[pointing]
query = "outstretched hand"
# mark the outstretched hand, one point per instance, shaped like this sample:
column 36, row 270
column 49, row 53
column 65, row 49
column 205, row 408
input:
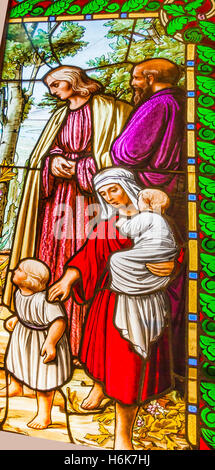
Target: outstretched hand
column 61, row 289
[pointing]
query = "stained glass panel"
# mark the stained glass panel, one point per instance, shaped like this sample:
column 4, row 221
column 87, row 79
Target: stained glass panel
column 100, row 96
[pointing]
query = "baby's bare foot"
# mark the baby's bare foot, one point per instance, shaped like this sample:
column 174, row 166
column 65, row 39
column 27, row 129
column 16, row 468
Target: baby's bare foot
column 14, row 390
column 39, row 422
column 94, row 399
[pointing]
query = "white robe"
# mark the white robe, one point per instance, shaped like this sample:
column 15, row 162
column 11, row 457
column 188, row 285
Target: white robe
column 23, row 359
column 142, row 305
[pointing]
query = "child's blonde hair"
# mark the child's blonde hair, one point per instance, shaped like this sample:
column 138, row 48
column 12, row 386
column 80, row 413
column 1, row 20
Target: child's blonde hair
column 155, row 199
column 38, row 274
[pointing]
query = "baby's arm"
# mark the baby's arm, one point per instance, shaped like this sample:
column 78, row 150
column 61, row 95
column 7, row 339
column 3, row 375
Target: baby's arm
column 11, row 323
column 135, row 226
column 56, row 331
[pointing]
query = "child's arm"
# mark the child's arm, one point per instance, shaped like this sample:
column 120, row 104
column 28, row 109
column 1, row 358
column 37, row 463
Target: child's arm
column 56, row 331
column 136, row 226
column 11, row 323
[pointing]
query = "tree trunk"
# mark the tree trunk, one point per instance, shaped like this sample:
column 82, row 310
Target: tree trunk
column 15, row 107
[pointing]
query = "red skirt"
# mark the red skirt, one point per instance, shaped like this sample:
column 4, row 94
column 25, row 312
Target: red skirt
column 110, row 359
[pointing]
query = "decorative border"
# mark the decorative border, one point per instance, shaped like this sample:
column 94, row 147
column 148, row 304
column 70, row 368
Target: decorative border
column 187, row 21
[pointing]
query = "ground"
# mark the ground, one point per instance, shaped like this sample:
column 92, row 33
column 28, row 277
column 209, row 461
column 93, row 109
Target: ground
column 159, row 425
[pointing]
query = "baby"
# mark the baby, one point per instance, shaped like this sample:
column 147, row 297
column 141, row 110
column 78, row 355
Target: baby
column 140, row 292
column 38, row 353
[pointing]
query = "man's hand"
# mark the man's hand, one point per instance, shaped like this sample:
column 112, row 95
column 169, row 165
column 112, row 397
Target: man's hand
column 60, row 289
column 161, row 269
column 11, row 323
column 50, row 350
column 63, row 168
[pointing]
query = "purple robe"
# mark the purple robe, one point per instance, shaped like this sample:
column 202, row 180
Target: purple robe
column 153, row 139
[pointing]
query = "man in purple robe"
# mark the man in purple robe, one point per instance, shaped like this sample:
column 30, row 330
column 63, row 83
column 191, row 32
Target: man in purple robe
column 152, row 145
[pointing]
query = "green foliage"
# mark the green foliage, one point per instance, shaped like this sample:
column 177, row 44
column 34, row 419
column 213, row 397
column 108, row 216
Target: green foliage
column 177, row 24
column 208, row 264
column 207, row 224
column 208, row 327
column 207, row 117
column 174, row 10
column 22, row 9
column 209, row 437
column 205, row 68
column 208, row 285
column 208, row 346
column 208, row 417
column 152, row 6
column 74, row 9
column 133, row 5
column 208, row 206
column 149, row 39
column 58, row 7
column 206, row 54
column 206, row 134
column 208, row 370
column 18, row 52
column 208, row 305
column 206, row 84
column 94, row 6
column 206, row 168
column 206, row 150
column 208, row 393
column 206, row 101
column 193, row 35
column 207, row 187
column 208, row 29
column 191, row 7
column 208, row 245
column 112, row 7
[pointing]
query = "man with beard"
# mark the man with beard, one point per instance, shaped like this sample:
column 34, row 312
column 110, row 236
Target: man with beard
column 151, row 144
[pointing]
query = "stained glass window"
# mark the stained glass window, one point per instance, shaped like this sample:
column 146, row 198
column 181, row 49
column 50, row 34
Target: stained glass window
column 142, row 103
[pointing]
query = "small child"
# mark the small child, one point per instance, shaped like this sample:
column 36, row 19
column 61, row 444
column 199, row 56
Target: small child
column 38, row 353
column 141, row 309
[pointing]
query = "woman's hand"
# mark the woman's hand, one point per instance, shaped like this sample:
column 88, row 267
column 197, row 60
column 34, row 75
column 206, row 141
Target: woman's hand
column 50, row 350
column 161, row 269
column 61, row 289
column 11, row 323
column 62, row 168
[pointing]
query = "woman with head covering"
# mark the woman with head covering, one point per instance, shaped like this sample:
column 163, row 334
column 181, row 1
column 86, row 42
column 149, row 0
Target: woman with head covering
column 119, row 371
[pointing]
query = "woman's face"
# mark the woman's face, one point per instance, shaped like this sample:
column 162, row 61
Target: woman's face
column 60, row 88
column 115, row 195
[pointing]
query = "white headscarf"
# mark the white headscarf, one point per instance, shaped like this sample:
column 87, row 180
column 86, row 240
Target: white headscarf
column 125, row 179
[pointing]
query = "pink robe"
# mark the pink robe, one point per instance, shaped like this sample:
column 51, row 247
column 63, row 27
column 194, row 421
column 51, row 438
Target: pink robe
column 63, row 218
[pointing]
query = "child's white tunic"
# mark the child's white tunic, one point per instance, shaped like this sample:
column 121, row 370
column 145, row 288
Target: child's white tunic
column 142, row 306
column 24, row 358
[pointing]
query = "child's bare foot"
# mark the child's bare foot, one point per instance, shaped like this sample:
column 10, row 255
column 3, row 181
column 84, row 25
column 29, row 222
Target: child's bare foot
column 94, row 399
column 14, row 390
column 39, row 422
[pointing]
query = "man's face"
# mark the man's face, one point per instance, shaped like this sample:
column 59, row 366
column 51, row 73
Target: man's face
column 141, row 85
column 60, row 88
